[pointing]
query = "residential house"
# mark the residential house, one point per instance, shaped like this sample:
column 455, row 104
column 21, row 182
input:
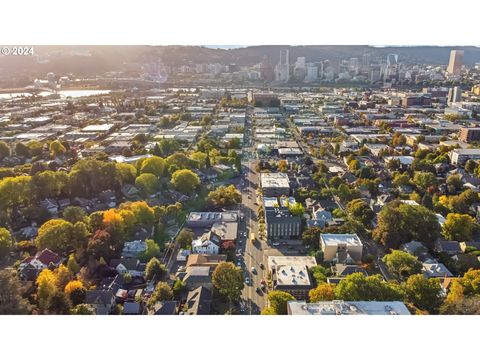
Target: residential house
column 102, row 300
column 132, row 249
column 208, row 243
column 30, row 267
column 131, row 266
column 195, row 276
column 206, row 260
column 320, row 217
column 198, row 301
column 434, row 269
column 162, row 308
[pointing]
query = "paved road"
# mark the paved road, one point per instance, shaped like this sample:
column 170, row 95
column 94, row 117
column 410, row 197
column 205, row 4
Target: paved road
column 253, row 252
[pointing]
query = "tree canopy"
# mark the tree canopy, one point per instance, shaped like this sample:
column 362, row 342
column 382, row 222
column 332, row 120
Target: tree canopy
column 400, row 223
column 358, row 287
column 185, row 181
column 228, row 280
column 401, row 264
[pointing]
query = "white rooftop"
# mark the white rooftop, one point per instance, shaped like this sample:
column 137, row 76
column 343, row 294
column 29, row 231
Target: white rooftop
column 338, row 307
column 336, row 239
column 308, row 261
column 269, row 180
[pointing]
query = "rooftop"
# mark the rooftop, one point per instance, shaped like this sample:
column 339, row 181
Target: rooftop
column 338, row 307
column 308, row 261
column 335, row 239
column 269, row 180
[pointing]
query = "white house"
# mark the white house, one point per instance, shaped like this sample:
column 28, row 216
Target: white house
column 208, row 243
column 133, row 248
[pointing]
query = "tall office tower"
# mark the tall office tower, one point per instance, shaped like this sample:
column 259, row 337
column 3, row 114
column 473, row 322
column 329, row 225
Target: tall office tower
column 353, row 66
column 392, row 59
column 312, row 72
column 454, row 95
column 366, row 61
column 267, row 71
column 456, row 62
column 300, row 69
column 282, row 72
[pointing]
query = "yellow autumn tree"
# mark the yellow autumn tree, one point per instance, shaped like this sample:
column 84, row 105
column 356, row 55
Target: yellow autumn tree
column 46, row 283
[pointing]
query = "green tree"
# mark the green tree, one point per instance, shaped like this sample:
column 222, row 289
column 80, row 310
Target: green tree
column 402, row 264
column 401, row 180
column 400, row 223
column 459, row 227
column 148, row 184
column 311, row 237
column 455, row 181
column 228, row 281
column 72, row 264
column 323, row 292
column 178, row 161
column 224, row 196
column 424, row 180
column 185, row 238
column 278, row 301
column 178, row 287
column 22, row 149
column 58, row 304
column 154, row 165
column 74, row 214
column 152, row 250
column 6, row 242
column 11, row 300
column 60, row 235
column 319, row 273
column 361, row 211
column 162, row 292
column 4, row 150
column 358, row 287
column 200, row 158
column 424, row 293
column 296, row 209
column 185, row 181
column 49, row 184
column 57, row 149
column 82, row 309
column 470, row 166
column 155, row 269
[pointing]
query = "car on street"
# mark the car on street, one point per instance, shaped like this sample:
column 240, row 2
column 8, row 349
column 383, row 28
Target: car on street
column 248, row 281
column 262, row 266
column 254, row 271
column 258, row 290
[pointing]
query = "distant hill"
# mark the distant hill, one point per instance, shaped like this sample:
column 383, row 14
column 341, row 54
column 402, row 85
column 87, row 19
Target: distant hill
column 111, row 58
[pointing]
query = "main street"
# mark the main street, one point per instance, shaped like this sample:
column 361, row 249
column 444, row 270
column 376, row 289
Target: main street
column 252, row 255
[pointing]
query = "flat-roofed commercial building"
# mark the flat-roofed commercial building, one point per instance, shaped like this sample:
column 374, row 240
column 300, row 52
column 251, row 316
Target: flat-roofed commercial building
column 339, row 307
column 460, row 156
column 291, row 274
column 204, row 219
column 469, row 134
column 274, row 184
column 279, row 222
